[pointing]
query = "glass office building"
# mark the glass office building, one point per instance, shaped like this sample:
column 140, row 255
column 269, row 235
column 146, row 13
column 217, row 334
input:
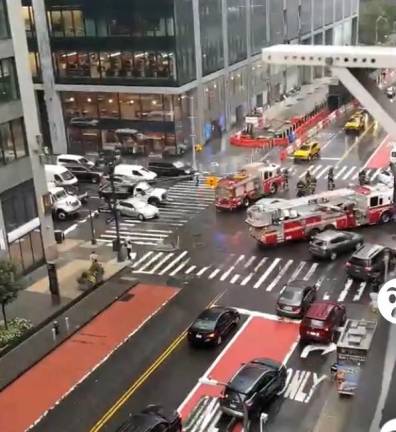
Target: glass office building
column 137, row 63
column 20, row 224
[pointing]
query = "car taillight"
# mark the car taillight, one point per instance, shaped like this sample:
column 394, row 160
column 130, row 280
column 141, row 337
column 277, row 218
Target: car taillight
column 368, row 268
column 348, row 264
column 211, row 335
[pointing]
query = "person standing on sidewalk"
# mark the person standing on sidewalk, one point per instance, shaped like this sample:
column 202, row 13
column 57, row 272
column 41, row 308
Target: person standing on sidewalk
column 94, row 257
column 196, row 178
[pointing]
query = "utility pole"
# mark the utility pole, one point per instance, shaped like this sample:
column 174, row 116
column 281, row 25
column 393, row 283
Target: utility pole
column 193, row 134
column 115, row 212
column 91, row 222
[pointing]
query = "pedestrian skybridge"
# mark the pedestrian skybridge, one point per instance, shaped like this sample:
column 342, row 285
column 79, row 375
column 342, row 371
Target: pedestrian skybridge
column 352, row 65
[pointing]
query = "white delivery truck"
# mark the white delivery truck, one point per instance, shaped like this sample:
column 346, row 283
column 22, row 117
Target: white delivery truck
column 64, row 205
column 60, row 176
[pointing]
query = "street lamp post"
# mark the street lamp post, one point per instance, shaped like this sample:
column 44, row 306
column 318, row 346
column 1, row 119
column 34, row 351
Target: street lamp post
column 377, row 21
column 91, row 222
column 193, row 134
column 115, row 212
column 246, row 423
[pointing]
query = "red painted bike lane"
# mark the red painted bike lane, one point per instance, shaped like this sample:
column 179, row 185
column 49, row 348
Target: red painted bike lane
column 28, row 398
column 381, row 156
column 258, row 337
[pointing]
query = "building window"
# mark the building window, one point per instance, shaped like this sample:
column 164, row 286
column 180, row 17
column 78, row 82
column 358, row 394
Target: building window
column 13, row 143
column 8, row 81
column 27, row 252
column 28, row 17
column 4, row 29
column 35, row 68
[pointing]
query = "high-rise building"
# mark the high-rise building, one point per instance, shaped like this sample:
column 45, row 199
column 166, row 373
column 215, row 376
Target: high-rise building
column 26, row 231
column 128, row 72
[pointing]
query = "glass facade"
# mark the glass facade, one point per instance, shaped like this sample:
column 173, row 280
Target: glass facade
column 329, row 12
column 276, row 22
column 210, row 16
column 27, row 252
column 94, row 118
column 338, row 10
column 292, row 19
column 258, row 21
column 4, row 29
column 8, row 81
column 236, row 21
column 13, row 143
column 318, row 13
column 306, row 16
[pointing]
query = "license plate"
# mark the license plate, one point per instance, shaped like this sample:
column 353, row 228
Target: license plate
column 313, row 333
column 287, row 308
column 198, row 336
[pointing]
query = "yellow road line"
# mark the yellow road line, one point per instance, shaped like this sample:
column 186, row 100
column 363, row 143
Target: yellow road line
column 146, row 374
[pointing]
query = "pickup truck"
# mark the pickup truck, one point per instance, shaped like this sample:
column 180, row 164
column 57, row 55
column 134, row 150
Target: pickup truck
column 141, row 190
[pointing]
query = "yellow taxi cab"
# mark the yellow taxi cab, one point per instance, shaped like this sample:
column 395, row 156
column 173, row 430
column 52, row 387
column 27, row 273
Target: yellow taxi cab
column 356, row 123
column 307, row 151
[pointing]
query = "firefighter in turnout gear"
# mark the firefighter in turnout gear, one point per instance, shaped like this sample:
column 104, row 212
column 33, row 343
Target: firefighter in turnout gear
column 308, row 178
column 363, row 177
column 301, row 188
column 330, row 179
column 312, row 185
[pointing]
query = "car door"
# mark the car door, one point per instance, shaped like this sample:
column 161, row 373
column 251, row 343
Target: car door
column 308, row 298
column 267, row 387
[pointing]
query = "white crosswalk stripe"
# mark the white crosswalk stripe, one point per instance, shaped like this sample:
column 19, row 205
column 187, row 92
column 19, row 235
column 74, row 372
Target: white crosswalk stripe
column 270, row 274
column 185, row 201
column 341, row 173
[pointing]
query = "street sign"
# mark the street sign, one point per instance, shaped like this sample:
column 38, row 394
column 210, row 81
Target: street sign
column 326, row 349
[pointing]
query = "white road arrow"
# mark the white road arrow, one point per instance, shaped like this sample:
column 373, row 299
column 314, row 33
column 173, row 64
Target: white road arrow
column 326, row 349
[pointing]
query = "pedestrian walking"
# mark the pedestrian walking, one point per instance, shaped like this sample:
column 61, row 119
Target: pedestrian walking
column 196, row 178
column 129, row 249
column 94, row 257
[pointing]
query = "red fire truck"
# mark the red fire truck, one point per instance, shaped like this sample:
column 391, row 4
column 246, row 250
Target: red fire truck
column 301, row 218
column 249, row 184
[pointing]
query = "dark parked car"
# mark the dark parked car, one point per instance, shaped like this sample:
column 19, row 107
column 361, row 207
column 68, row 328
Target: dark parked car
column 255, row 384
column 85, row 173
column 120, row 192
column 367, row 263
column 321, row 321
column 170, row 169
column 152, row 419
column 331, row 243
column 212, row 325
column 295, row 299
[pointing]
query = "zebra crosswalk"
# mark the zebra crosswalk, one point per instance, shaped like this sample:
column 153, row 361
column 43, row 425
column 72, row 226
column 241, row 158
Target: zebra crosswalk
column 341, row 173
column 257, row 273
column 185, row 201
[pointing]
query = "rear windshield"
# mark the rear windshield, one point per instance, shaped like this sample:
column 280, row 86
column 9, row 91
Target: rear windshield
column 67, row 175
column 292, row 295
column 359, row 261
column 316, row 323
column 205, row 324
column 246, row 379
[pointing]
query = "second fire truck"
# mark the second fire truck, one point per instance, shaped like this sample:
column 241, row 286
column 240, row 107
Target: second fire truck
column 251, row 183
column 302, row 218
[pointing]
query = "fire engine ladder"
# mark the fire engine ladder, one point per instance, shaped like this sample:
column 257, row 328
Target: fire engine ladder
column 207, row 417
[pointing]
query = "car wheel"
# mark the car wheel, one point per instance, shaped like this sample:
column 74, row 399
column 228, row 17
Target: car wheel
column 333, row 256
column 386, row 217
column 141, row 217
column 273, row 189
column 61, row 215
column 219, row 340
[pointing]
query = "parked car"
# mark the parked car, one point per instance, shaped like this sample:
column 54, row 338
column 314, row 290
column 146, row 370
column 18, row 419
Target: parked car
column 170, row 169
column 330, row 244
column 134, row 207
column 212, row 325
column 295, row 298
column 152, row 419
column 63, row 205
column 321, row 322
column 367, row 263
column 134, row 172
column 65, row 159
column 59, row 175
column 85, row 173
column 255, row 385
column 105, row 192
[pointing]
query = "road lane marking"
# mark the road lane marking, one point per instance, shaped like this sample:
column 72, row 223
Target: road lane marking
column 163, row 261
column 374, row 175
column 153, row 259
column 304, row 172
column 297, row 271
column 225, row 275
column 175, row 261
column 250, row 261
column 349, row 173
column 235, row 278
column 190, row 269
column 316, row 169
column 250, row 275
column 311, row 271
column 339, row 172
column 345, row 291
column 324, row 171
column 377, row 150
column 181, row 266
column 214, row 273
column 267, row 273
column 360, row 291
column 279, row 276
column 146, row 374
column 142, row 259
column 202, row 271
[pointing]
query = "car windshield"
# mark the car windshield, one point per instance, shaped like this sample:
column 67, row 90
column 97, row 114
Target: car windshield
column 60, row 195
column 204, row 324
column 144, row 170
column 318, row 242
column 67, row 175
column 246, row 379
column 291, row 295
column 178, row 164
column 84, row 161
column 305, row 147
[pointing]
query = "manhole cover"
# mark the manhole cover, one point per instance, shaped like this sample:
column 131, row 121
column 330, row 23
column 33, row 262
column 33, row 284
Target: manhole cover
column 126, row 297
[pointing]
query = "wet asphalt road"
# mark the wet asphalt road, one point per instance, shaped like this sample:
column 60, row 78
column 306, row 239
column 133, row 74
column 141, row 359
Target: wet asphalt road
column 217, row 241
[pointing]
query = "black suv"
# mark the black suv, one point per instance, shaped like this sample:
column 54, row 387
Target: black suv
column 330, row 244
column 170, row 169
column 367, row 263
column 84, row 173
column 152, row 419
column 255, row 384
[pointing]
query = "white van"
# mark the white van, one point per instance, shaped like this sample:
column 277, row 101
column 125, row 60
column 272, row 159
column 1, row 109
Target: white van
column 59, row 175
column 393, row 153
column 134, row 172
column 72, row 159
column 64, row 205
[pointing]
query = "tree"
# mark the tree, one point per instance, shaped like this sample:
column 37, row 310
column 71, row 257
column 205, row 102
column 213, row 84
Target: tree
column 10, row 284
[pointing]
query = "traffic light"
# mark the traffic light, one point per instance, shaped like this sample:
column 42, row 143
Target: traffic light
column 198, row 148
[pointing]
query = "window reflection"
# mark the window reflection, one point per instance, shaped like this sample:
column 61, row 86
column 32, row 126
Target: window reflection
column 12, row 141
column 8, row 84
column 130, row 106
column 4, row 31
column 27, row 252
column 108, row 105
